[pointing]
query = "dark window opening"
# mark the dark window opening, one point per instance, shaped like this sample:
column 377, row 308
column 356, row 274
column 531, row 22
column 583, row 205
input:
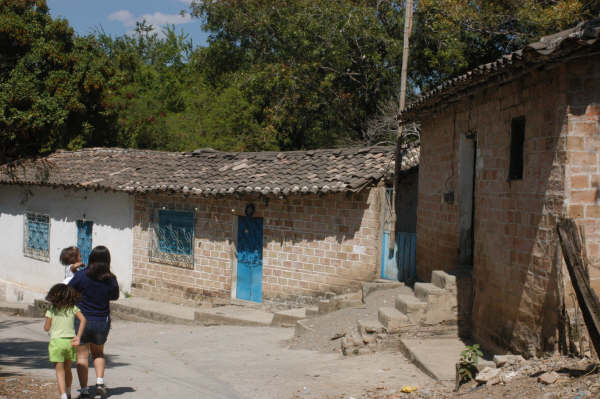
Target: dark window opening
column 517, row 141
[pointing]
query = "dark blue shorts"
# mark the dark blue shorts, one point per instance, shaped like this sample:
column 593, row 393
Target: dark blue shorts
column 96, row 331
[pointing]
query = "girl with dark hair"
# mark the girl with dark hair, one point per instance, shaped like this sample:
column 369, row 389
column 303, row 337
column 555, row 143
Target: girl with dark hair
column 59, row 323
column 98, row 286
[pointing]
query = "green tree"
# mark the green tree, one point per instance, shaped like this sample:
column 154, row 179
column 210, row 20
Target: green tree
column 453, row 36
column 164, row 101
column 53, row 84
column 315, row 69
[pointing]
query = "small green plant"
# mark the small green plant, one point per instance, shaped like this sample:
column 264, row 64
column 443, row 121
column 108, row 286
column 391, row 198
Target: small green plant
column 466, row 368
column 127, row 294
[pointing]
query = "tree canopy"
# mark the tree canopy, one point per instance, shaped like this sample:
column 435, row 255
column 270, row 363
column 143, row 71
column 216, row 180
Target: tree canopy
column 53, row 84
column 274, row 75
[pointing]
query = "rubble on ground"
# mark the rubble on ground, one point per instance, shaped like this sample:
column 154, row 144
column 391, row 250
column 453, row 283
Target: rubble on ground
column 15, row 386
column 548, row 378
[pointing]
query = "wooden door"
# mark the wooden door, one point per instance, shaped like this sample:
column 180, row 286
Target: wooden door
column 249, row 259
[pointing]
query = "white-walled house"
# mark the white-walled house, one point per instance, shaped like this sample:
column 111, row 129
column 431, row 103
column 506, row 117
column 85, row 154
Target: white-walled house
column 181, row 227
column 27, row 272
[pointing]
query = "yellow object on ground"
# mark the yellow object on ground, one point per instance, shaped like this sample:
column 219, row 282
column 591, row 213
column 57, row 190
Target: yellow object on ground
column 408, row 389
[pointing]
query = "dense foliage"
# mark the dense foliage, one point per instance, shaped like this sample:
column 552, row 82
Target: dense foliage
column 53, row 84
column 275, row 74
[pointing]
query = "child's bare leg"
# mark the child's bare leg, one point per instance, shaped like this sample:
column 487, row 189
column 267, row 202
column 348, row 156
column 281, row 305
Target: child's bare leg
column 68, row 376
column 83, row 356
column 60, row 377
column 99, row 361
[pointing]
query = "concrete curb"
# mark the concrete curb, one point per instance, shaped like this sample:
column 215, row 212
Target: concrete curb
column 248, row 317
column 413, row 358
column 288, row 318
column 131, row 313
column 302, row 328
column 16, row 309
column 436, row 357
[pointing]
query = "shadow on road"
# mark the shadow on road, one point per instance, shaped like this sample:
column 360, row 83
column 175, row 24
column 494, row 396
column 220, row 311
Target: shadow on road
column 17, row 323
column 29, row 354
column 4, row 374
column 119, row 391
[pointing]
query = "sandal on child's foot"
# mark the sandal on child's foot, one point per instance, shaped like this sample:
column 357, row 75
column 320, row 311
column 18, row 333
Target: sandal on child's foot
column 100, row 390
column 85, row 394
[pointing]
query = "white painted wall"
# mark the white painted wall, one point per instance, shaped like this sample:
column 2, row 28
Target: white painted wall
column 25, row 278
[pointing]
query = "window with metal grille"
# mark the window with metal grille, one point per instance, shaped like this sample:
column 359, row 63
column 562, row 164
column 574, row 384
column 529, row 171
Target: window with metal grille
column 36, row 233
column 173, row 238
column 517, row 147
column 175, row 232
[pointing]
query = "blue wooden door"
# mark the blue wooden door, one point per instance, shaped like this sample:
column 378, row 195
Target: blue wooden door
column 397, row 258
column 249, row 260
column 389, row 265
column 84, row 239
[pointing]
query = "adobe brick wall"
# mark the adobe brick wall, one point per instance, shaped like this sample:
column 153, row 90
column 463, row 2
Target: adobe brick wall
column 312, row 244
column 582, row 147
column 514, row 300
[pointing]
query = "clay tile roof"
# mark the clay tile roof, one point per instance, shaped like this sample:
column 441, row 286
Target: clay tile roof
column 579, row 40
column 210, row 172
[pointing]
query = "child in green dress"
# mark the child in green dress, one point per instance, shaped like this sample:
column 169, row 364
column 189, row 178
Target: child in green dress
column 60, row 320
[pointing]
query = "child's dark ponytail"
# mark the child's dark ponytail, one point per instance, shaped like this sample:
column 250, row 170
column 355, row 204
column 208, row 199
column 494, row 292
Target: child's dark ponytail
column 99, row 264
column 62, row 295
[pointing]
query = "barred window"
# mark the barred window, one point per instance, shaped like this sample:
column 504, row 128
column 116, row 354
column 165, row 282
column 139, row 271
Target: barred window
column 36, row 235
column 173, row 238
column 517, row 146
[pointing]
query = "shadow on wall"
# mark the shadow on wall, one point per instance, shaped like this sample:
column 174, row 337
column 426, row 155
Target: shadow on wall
column 338, row 229
column 302, row 218
column 65, row 205
column 514, row 279
column 511, row 297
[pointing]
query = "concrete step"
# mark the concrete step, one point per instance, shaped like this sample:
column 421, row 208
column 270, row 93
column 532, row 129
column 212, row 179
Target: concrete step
column 443, row 280
column 370, row 326
column 289, row 317
column 392, row 319
column 411, row 306
column 372, row 286
column 424, row 290
column 14, row 308
column 141, row 309
column 312, row 311
column 234, row 316
column 436, row 357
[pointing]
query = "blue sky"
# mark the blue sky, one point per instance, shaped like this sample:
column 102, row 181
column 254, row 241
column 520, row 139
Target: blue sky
column 118, row 17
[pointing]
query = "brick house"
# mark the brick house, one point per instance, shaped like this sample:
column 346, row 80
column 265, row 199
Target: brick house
column 269, row 226
column 506, row 150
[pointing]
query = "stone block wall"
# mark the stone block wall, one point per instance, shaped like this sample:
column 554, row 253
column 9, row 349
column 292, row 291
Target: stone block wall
column 312, row 244
column 514, row 303
column 583, row 156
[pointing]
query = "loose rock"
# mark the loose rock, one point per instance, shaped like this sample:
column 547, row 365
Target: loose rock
column 488, row 375
column 505, row 360
column 548, row 378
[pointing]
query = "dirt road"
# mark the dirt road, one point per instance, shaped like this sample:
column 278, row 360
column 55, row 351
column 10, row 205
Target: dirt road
column 147, row 360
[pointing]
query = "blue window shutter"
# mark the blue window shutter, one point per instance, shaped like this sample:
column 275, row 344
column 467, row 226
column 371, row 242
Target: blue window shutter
column 176, row 232
column 37, row 232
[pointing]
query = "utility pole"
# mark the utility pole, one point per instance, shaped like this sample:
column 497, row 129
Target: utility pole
column 408, row 16
column 408, row 19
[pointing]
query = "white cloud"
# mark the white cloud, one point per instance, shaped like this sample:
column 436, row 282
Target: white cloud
column 157, row 19
column 160, row 19
column 123, row 16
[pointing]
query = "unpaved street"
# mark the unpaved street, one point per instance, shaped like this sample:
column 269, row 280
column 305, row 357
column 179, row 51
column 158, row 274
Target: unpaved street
column 149, row 360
